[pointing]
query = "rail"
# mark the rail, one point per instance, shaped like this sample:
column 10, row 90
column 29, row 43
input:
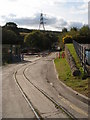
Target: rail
column 36, row 111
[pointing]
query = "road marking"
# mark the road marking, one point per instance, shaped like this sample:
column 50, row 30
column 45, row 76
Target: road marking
column 73, row 106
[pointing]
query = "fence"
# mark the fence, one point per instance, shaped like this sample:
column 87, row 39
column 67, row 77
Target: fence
column 81, row 52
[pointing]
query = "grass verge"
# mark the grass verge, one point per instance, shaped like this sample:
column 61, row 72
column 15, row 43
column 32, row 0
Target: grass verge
column 64, row 74
column 77, row 61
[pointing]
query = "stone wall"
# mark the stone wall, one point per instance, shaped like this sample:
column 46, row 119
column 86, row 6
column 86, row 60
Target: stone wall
column 75, row 71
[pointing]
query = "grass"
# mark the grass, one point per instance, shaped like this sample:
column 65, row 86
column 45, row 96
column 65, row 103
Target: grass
column 64, row 74
column 77, row 61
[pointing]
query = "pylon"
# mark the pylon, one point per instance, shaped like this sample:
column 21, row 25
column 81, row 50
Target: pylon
column 41, row 21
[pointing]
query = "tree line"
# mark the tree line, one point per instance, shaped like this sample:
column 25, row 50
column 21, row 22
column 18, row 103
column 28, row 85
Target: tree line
column 43, row 39
column 81, row 35
column 33, row 38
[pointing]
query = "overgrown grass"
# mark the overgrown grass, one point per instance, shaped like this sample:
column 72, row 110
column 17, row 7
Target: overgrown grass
column 65, row 75
column 77, row 61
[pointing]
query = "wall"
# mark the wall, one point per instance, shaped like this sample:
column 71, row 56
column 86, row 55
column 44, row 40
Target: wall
column 75, row 71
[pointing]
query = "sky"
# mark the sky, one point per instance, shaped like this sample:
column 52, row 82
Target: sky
column 57, row 13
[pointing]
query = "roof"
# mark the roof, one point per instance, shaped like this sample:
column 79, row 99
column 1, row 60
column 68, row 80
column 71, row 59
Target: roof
column 11, row 24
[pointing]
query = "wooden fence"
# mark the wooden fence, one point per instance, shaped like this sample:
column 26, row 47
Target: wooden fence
column 81, row 52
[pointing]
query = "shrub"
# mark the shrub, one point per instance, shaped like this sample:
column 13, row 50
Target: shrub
column 67, row 39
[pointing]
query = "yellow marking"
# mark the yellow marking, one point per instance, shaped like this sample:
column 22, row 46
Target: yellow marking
column 73, row 106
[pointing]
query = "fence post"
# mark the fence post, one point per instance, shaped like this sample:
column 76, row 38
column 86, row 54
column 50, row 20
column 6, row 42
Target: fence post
column 81, row 52
column 82, row 56
column 84, row 59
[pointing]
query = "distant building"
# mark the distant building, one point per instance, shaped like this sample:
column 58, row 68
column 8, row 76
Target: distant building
column 11, row 24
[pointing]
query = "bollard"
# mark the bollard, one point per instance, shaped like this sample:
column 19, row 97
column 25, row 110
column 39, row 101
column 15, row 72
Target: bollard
column 63, row 55
column 59, row 55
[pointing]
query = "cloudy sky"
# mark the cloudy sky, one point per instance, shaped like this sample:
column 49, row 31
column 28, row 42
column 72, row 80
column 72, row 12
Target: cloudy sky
column 57, row 13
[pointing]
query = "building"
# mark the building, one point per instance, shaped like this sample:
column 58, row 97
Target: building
column 11, row 24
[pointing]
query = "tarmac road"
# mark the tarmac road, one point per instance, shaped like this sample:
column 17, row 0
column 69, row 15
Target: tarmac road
column 42, row 74
column 13, row 103
column 41, row 103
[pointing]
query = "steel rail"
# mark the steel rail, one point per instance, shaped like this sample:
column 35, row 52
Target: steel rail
column 37, row 114
column 35, row 111
column 49, row 97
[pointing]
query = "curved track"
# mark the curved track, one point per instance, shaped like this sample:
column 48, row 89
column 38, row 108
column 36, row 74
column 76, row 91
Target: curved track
column 59, row 111
column 43, row 94
column 25, row 96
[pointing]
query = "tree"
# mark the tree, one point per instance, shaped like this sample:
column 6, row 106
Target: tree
column 40, row 40
column 67, row 39
column 37, row 39
column 80, row 35
column 11, row 28
column 64, row 30
column 73, row 29
column 8, row 37
column 84, row 35
column 32, row 39
column 85, row 31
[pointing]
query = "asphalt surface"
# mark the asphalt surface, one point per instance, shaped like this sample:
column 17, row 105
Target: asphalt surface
column 44, row 106
column 42, row 74
column 13, row 103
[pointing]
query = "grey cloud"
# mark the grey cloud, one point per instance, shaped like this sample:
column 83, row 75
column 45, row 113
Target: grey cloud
column 30, row 21
column 69, row 25
column 3, row 17
column 75, row 24
column 12, row 15
column 35, row 20
column 62, row 22
column 51, row 20
column 27, row 21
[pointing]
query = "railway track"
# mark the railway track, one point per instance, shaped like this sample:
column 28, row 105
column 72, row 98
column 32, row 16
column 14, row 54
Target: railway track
column 34, row 109
column 37, row 115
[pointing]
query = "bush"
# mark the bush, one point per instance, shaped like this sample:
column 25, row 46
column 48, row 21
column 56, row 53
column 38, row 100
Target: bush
column 82, row 39
column 37, row 40
column 67, row 39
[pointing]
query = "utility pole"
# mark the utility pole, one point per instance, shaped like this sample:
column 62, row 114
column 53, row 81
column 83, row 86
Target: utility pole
column 41, row 22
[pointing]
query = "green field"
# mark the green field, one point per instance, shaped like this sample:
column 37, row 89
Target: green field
column 65, row 75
